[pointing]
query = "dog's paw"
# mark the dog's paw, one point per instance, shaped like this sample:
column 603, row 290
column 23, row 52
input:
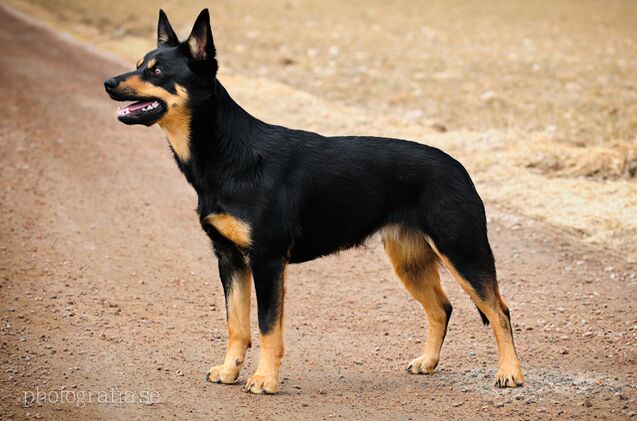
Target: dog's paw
column 261, row 384
column 222, row 374
column 422, row 365
column 509, row 376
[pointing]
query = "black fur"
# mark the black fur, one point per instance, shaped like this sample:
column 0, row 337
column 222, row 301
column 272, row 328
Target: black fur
column 305, row 195
column 485, row 320
column 448, row 310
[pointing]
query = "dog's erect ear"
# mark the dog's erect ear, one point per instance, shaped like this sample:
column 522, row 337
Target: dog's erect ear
column 200, row 44
column 166, row 37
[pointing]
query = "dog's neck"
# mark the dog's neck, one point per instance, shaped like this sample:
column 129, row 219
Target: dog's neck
column 222, row 141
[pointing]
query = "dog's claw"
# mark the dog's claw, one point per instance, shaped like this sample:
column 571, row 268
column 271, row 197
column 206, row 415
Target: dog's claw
column 220, row 374
column 422, row 365
column 511, row 377
column 261, row 385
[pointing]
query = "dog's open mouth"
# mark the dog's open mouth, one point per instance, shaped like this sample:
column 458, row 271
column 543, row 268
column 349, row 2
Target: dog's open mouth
column 137, row 107
column 145, row 111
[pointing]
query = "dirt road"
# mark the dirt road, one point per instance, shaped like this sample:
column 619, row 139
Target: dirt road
column 108, row 286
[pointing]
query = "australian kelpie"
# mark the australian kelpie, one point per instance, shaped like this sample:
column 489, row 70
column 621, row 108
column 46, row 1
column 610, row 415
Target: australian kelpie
column 270, row 196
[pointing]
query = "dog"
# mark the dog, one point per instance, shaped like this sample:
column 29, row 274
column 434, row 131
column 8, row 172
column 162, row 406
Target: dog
column 269, row 196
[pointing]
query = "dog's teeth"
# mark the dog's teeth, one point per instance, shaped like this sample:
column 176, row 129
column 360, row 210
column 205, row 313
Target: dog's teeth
column 155, row 104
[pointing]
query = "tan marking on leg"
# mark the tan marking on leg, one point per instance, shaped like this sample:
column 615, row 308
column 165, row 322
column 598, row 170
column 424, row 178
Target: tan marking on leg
column 415, row 263
column 509, row 369
column 271, row 351
column 238, row 315
column 231, row 228
column 176, row 120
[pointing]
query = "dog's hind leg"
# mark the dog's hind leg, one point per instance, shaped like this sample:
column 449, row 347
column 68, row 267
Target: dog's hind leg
column 235, row 276
column 415, row 264
column 471, row 264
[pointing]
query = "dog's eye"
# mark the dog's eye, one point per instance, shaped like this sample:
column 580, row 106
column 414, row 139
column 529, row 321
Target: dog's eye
column 156, row 70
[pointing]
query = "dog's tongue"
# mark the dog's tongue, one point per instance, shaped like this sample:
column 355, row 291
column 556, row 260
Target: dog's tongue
column 133, row 107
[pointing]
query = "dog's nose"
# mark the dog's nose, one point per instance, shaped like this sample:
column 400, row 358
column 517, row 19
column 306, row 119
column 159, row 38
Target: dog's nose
column 110, row 84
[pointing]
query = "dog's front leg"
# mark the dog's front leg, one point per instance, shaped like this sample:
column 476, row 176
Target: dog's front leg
column 235, row 276
column 269, row 276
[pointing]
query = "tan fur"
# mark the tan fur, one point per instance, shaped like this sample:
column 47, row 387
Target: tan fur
column 509, row 369
column 151, row 63
column 271, row 351
column 163, row 38
column 139, row 63
column 238, row 313
column 176, row 121
column 195, row 48
column 232, row 228
column 415, row 264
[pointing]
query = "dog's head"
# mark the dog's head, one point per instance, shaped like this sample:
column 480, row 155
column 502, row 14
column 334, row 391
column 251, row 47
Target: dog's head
column 169, row 80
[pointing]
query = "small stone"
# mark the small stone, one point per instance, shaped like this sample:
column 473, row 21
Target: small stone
column 498, row 404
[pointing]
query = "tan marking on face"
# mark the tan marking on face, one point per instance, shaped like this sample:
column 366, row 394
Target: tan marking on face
column 176, row 120
column 151, row 64
column 232, row 228
column 139, row 63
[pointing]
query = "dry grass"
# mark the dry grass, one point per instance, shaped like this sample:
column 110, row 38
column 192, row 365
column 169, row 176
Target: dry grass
column 539, row 99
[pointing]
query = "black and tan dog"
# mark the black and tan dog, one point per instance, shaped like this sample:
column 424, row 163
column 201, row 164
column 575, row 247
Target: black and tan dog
column 270, row 196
